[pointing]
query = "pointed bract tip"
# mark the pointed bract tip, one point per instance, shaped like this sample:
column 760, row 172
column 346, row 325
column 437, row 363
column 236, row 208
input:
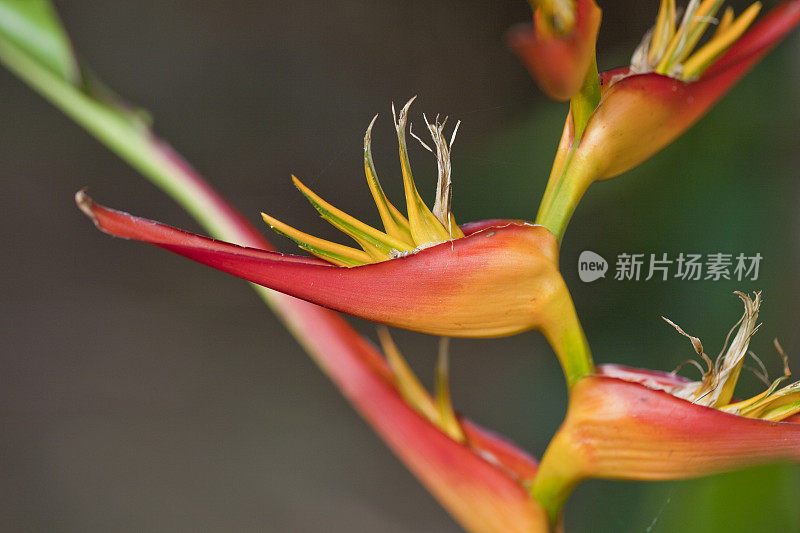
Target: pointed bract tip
column 85, row 204
column 368, row 134
column 401, row 121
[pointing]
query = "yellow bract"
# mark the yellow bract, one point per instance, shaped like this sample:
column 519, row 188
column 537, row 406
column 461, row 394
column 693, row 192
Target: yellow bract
column 376, row 243
column 663, row 32
column 402, row 235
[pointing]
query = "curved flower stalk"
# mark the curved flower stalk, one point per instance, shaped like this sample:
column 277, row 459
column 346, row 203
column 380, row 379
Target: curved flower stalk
column 559, row 47
column 625, row 423
column 668, row 87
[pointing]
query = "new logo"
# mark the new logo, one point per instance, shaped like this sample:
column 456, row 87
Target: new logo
column 591, row 266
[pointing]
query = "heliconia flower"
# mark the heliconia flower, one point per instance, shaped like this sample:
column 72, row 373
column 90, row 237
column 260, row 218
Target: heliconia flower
column 560, row 45
column 625, row 423
column 670, row 85
column 484, row 279
column 666, row 89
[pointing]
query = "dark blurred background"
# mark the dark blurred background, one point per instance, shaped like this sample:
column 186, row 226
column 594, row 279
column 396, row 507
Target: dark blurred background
column 143, row 392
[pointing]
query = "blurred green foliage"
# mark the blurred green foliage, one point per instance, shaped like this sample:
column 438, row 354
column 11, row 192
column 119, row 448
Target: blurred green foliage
column 33, row 26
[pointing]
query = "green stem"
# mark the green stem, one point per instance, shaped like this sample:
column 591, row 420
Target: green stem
column 564, row 191
column 563, row 466
column 586, row 100
column 556, row 477
column 570, row 176
column 133, row 141
column 564, row 333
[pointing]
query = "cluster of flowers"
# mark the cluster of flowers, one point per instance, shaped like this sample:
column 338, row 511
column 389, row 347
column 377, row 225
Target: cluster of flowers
column 499, row 277
column 492, row 278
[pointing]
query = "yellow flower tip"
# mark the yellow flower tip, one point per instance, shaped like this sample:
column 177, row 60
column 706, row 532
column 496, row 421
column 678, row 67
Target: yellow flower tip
column 670, row 50
column 695, row 65
column 407, row 383
column 716, row 389
column 439, row 411
column 662, row 32
column 448, row 421
column 559, row 15
column 725, row 21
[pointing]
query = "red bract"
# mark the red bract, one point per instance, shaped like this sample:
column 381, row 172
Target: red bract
column 667, row 437
column 495, row 281
column 618, row 427
column 558, row 60
column 639, row 114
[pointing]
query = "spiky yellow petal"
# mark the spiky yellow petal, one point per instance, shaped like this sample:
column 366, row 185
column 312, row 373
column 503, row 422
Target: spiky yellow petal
column 425, row 227
column 695, row 20
column 774, row 405
column 447, row 416
column 703, row 58
column 725, row 21
column 377, row 244
column 394, row 222
column 781, row 412
column 747, row 406
column 337, row 254
column 663, row 32
column 665, row 62
column 408, row 384
column 702, row 19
